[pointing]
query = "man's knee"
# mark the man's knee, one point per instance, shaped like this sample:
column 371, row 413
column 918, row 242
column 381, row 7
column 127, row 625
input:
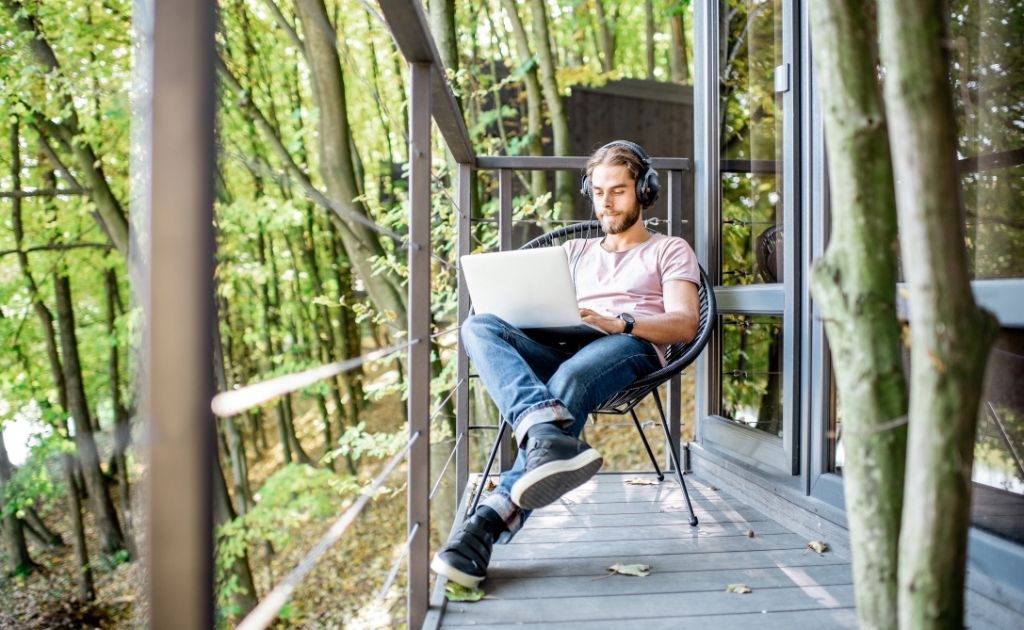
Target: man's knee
column 482, row 326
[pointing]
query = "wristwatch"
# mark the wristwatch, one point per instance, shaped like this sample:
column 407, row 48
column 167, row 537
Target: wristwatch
column 629, row 320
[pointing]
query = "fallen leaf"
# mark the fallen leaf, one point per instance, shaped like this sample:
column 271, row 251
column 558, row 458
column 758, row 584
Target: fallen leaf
column 458, row 593
column 818, row 545
column 738, row 588
column 637, row 570
column 749, row 533
column 640, row 481
column 491, row 485
column 714, row 488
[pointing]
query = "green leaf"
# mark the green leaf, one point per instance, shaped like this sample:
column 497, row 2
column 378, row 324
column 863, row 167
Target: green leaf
column 742, row 589
column 459, row 593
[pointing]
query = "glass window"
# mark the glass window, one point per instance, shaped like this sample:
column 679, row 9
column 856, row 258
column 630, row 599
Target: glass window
column 751, row 142
column 998, row 475
column 751, row 369
column 988, row 86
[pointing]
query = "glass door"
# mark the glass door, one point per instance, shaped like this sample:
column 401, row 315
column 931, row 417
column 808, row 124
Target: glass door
column 750, row 190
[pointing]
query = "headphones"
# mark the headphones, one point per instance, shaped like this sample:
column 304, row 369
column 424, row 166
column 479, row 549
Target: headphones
column 647, row 183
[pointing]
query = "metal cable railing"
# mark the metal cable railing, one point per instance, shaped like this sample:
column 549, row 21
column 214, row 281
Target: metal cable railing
column 244, row 398
column 267, row 610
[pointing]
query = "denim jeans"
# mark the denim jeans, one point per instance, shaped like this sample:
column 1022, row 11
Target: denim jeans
column 531, row 383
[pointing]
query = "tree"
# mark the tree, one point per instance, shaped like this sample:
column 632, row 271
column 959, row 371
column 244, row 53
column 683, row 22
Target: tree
column 950, row 336
column 914, row 579
column 853, row 284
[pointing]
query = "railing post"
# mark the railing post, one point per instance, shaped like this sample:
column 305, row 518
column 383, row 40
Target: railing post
column 506, row 456
column 675, row 228
column 177, row 296
column 418, row 368
column 465, row 239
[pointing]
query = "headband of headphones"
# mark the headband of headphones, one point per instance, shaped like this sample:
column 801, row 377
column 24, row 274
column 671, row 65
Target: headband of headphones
column 647, row 183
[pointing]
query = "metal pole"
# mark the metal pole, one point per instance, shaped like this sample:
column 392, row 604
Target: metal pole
column 675, row 228
column 465, row 239
column 507, row 454
column 418, row 368
column 180, row 315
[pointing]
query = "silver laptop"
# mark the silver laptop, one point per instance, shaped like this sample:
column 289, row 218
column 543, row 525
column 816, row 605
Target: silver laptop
column 530, row 289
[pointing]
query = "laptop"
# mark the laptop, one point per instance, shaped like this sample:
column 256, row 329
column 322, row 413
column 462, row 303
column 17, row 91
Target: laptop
column 530, row 289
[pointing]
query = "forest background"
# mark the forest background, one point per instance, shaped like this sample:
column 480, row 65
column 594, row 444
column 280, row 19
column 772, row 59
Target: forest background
column 310, row 210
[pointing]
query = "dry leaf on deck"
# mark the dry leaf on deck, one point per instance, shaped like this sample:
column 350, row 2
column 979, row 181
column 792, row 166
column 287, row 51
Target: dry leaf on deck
column 749, row 533
column 818, row 545
column 640, row 481
column 458, row 593
column 637, row 570
column 737, row 588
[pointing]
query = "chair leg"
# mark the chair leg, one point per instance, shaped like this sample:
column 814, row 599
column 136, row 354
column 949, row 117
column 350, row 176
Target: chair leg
column 675, row 461
column 650, row 453
column 502, row 426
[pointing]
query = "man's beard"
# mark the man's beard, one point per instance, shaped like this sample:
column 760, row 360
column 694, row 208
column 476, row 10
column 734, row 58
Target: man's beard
column 621, row 223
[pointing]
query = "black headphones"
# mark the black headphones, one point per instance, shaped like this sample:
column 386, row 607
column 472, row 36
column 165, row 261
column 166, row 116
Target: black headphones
column 647, row 183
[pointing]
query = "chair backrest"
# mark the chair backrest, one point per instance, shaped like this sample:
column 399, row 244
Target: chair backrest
column 677, row 357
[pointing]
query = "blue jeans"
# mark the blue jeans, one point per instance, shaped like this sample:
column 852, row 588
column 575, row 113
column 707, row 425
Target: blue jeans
column 531, row 383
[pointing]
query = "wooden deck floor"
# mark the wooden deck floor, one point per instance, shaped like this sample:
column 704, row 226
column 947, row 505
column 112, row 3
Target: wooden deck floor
column 554, row 574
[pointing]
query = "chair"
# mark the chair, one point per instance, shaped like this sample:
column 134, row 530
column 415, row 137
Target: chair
column 677, row 357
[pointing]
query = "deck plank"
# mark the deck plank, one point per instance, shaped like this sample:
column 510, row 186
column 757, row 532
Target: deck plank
column 553, row 574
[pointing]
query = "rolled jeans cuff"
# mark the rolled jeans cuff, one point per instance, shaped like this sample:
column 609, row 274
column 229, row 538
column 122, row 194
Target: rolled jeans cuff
column 509, row 512
column 547, row 411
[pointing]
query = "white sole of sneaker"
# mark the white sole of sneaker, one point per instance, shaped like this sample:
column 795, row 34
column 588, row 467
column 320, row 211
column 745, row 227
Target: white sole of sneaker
column 440, row 567
column 545, row 484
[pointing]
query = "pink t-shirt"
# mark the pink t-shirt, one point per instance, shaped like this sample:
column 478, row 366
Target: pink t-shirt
column 631, row 281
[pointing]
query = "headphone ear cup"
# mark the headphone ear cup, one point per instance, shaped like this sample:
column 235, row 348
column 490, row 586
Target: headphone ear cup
column 652, row 186
column 585, row 187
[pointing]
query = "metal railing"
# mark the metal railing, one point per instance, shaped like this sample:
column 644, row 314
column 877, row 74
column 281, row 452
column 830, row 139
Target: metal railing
column 180, row 309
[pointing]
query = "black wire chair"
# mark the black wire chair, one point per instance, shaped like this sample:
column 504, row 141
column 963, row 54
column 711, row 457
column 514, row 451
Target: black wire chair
column 677, row 358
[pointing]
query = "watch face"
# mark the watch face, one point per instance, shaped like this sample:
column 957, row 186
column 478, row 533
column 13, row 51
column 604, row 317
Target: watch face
column 626, row 317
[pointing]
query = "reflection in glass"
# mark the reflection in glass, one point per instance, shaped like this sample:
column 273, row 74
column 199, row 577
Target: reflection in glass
column 751, row 142
column 752, row 371
column 988, row 87
column 998, row 475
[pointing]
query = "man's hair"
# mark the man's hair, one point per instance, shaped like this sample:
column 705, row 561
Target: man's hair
column 616, row 155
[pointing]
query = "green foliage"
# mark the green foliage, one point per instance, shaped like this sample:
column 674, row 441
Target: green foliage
column 37, row 481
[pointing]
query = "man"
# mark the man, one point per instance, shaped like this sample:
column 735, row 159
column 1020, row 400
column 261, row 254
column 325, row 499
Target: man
column 639, row 287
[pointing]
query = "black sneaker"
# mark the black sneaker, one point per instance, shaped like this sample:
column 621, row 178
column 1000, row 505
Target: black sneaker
column 465, row 558
column 555, row 464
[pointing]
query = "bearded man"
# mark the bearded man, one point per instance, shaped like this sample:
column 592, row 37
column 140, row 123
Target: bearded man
column 641, row 289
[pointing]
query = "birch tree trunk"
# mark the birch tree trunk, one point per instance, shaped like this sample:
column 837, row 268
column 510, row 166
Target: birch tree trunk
column 854, row 285
column 950, row 335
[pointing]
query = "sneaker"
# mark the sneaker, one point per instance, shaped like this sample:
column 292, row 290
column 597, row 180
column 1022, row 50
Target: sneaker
column 555, row 464
column 465, row 558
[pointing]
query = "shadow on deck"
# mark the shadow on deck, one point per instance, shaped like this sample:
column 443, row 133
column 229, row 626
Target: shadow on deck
column 555, row 572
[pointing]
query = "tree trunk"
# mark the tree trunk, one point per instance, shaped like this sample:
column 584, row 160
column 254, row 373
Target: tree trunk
column 337, row 169
column 112, row 217
column 122, row 430
column 678, row 58
column 534, row 98
column 442, row 25
column 14, row 533
column 244, row 599
column 111, row 537
column 854, row 285
column 606, row 36
column 649, row 21
column 553, row 98
column 46, row 536
column 950, row 335
column 86, row 587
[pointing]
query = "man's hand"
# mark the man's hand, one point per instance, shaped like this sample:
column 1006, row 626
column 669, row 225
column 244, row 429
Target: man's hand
column 610, row 325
